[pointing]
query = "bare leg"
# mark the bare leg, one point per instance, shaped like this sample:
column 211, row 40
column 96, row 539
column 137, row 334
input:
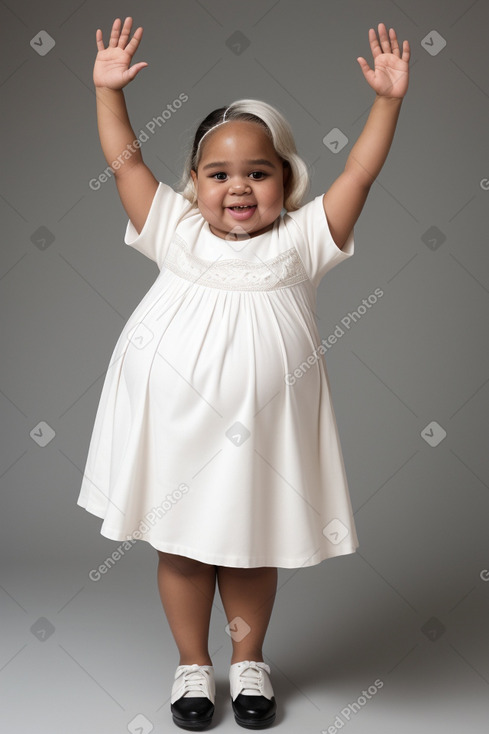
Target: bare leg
column 187, row 589
column 248, row 593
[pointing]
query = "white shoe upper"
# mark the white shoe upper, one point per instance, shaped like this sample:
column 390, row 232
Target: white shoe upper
column 194, row 681
column 250, row 678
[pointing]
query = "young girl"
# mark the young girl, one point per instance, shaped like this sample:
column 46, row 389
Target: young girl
column 215, row 439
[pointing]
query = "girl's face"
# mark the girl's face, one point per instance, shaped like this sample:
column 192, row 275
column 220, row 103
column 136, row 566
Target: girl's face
column 239, row 166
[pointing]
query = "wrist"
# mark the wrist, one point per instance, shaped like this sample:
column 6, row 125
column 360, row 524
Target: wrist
column 388, row 100
column 106, row 90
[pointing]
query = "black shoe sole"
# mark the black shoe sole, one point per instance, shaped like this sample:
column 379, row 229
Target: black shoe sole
column 253, row 723
column 196, row 722
column 192, row 725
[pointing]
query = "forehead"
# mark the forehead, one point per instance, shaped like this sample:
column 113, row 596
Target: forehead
column 238, row 137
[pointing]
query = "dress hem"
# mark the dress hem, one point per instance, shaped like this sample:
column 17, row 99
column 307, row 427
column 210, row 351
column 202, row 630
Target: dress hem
column 215, row 560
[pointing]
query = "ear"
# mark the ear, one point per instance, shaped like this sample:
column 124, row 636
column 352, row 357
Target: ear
column 194, row 177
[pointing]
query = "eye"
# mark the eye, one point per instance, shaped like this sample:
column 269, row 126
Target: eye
column 261, row 175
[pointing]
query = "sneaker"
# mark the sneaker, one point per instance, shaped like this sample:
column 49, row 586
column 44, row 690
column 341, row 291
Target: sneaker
column 193, row 696
column 252, row 695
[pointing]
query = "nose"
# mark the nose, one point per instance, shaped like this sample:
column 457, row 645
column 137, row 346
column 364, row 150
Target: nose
column 238, row 186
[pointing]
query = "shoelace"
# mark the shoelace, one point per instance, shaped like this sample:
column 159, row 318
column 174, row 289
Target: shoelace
column 194, row 682
column 251, row 678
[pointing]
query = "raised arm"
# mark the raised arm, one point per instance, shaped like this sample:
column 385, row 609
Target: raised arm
column 112, row 71
column 344, row 200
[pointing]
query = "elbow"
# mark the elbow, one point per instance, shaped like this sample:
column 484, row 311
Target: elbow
column 360, row 177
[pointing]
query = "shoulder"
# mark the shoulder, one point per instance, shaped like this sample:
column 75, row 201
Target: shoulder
column 308, row 216
column 311, row 209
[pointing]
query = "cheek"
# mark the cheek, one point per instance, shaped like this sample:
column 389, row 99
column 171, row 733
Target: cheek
column 276, row 191
column 209, row 199
column 209, row 191
column 205, row 192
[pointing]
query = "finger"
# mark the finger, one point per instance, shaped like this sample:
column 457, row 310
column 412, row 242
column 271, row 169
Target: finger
column 136, row 68
column 125, row 33
column 406, row 51
column 99, row 40
column 367, row 71
column 394, row 42
column 114, row 33
column 134, row 42
column 374, row 44
column 384, row 39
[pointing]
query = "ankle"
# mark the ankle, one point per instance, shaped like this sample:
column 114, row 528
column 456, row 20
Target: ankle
column 195, row 659
column 255, row 656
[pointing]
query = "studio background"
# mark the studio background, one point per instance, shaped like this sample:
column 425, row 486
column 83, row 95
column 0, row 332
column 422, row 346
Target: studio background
column 409, row 376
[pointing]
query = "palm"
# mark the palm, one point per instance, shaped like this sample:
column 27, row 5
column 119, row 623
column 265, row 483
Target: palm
column 390, row 76
column 110, row 69
column 112, row 65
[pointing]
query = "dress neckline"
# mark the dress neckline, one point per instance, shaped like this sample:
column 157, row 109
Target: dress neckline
column 207, row 229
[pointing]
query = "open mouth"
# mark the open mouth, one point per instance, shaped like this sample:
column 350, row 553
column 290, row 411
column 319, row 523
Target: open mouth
column 242, row 212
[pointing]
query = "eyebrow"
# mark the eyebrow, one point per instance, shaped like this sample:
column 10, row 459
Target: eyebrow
column 256, row 162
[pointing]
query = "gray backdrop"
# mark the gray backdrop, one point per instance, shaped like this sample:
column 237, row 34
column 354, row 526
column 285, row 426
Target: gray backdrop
column 405, row 618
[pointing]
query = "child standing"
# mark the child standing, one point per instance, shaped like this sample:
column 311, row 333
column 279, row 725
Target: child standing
column 215, row 439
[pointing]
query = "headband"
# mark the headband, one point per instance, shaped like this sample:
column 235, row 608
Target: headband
column 210, row 130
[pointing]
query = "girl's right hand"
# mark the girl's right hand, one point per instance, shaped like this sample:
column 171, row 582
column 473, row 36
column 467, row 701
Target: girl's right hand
column 112, row 66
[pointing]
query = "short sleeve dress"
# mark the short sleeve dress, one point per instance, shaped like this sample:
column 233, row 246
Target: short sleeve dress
column 215, row 436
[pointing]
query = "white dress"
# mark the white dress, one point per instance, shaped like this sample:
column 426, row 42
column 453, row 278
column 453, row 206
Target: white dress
column 215, row 436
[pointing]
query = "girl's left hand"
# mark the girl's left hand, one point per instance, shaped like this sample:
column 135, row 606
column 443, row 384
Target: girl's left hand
column 391, row 75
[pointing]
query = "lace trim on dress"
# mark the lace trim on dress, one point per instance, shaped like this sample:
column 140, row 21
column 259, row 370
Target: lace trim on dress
column 282, row 271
